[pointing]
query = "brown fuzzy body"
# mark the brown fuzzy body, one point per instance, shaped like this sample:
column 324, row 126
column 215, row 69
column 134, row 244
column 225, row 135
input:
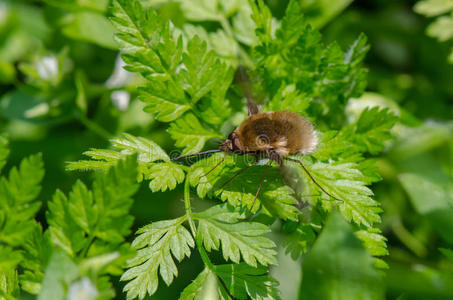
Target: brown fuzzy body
column 279, row 132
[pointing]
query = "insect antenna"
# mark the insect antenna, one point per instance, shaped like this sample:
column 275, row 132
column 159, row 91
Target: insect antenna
column 235, row 175
column 261, row 182
column 195, row 154
column 311, row 177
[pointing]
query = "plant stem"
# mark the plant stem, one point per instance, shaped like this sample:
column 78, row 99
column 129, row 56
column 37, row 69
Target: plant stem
column 188, row 207
column 85, row 249
column 203, row 254
column 94, row 127
column 407, row 239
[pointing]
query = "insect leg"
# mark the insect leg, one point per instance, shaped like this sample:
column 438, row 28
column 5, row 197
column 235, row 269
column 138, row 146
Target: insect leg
column 218, row 164
column 269, row 164
column 311, row 177
column 274, row 155
column 235, row 175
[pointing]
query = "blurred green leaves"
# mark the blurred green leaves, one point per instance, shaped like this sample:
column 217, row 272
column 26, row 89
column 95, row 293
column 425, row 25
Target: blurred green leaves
column 318, row 13
column 23, row 29
column 4, row 151
column 84, row 21
column 442, row 26
column 90, row 27
column 345, row 273
column 432, row 8
column 432, row 200
column 60, row 272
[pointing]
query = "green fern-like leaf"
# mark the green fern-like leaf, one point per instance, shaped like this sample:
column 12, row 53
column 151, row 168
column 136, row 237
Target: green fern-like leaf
column 17, row 200
column 147, row 150
column 244, row 281
column 9, row 284
column 325, row 74
column 152, row 51
column 178, row 79
column 100, row 215
column 344, row 181
column 38, row 249
column 376, row 245
column 9, row 259
column 190, row 134
column 299, row 239
column 153, row 163
column 220, row 225
column 156, row 245
column 372, row 129
column 193, row 290
column 288, row 98
column 219, row 11
column 202, row 70
column 64, row 231
column 18, row 206
column 334, row 145
column 164, row 176
column 276, row 198
column 368, row 134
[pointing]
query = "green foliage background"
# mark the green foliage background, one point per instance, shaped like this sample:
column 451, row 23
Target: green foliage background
column 67, row 106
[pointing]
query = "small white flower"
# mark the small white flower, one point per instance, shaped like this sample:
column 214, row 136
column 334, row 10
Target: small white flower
column 120, row 99
column 119, row 77
column 37, row 111
column 83, row 289
column 47, row 67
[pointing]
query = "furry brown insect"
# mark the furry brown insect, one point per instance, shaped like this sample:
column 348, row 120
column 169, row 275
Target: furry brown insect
column 274, row 135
